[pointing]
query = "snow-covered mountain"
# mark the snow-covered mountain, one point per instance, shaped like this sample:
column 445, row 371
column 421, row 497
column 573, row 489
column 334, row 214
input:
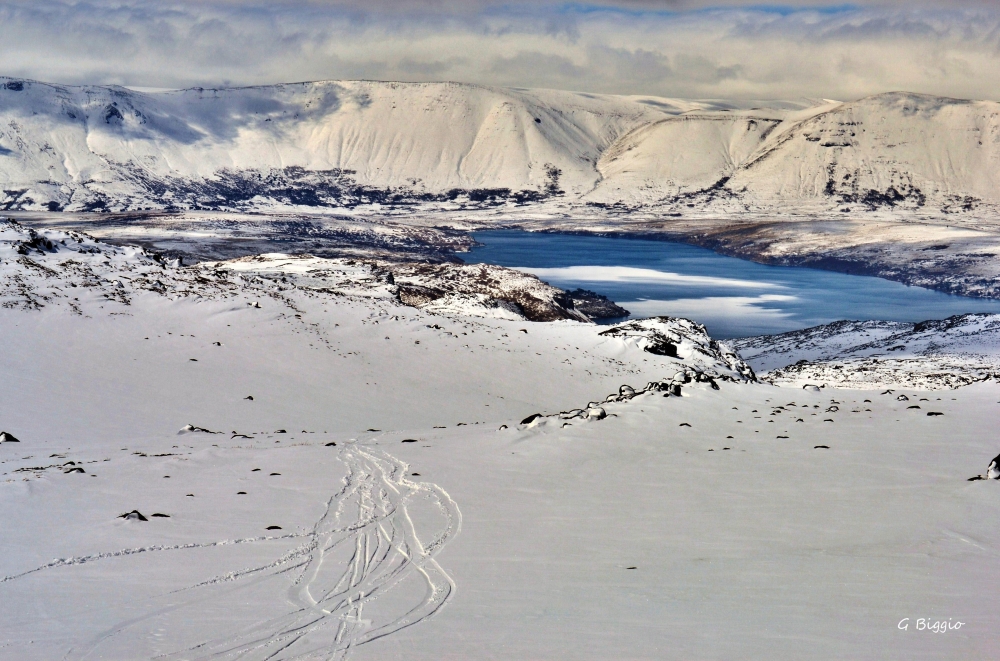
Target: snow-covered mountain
column 447, row 145
column 326, row 143
column 890, row 150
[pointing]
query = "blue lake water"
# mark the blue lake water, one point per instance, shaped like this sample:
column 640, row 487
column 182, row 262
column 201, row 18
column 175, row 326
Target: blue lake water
column 732, row 297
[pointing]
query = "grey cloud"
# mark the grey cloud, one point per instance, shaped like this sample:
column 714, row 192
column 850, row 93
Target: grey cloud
column 433, row 68
column 658, row 48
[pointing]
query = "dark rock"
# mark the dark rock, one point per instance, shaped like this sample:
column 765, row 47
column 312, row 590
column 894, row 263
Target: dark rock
column 7, row 437
column 274, row 527
column 684, row 424
column 159, row 515
column 817, row 447
column 409, row 440
column 934, row 413
column 134, row 515
column 531, row 418
column 250, row 397
column 595, row 305
column 993, row 472
column 190, row 429
column 331, row 444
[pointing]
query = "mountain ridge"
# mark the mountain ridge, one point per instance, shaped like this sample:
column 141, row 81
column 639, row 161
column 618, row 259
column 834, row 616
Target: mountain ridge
column 372, row 145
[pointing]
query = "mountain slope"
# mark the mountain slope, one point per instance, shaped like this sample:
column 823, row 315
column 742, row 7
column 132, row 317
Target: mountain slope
column 97, row 147
column 448, row 145
column 895, row 150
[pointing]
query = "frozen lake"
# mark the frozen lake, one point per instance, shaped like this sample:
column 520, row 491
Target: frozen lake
column 732, row 297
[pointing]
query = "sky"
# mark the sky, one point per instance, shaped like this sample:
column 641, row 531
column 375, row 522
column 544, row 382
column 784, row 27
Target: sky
column 673, row 48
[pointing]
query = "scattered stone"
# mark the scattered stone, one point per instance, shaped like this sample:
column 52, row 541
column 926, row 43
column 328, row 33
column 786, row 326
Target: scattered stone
column 281, row 431
column 160, row 515
column 7, row 437
column 275, row 474
column 191, row 429
column 134, row 515
column 75, row 469
column 274, row 527
column 502, row 427
column 249, row 397
column 597, row 413
column 241, row 493
column 934, row 413
column 782, row 437
column 331, row 444
column 415, row 474
column 902, row 398
column 409, row 440
column 817, row 447
column 684, row 424
column 531, row 418
column 915, row 406
column 373, row 430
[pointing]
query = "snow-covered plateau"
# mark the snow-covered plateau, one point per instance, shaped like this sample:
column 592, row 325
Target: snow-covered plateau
column 370, row 456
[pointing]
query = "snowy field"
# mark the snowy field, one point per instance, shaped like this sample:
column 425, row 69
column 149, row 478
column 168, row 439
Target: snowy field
column 277, row 459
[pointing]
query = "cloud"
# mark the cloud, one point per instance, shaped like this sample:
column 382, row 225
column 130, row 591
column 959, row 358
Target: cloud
column 680, row 48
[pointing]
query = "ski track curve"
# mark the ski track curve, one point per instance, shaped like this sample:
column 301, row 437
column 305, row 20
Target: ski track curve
column 331, row 606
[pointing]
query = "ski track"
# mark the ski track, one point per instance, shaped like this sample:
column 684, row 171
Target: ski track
column 368, row 519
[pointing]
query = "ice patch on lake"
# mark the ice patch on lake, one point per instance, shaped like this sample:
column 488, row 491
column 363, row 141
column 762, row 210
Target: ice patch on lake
column 638, row 275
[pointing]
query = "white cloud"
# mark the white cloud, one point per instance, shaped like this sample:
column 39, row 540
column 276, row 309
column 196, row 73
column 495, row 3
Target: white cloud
column 669, row 48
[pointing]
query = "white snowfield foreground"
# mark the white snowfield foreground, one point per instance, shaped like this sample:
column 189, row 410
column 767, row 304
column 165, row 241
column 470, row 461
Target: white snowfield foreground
column 276, row 458
column 443, row 145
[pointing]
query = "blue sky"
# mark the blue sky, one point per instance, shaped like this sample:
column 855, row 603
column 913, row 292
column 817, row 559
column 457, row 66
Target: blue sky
column 678, row 48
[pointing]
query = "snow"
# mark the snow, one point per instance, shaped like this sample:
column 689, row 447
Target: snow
column 948, row 353
column 401, row 147
column 358, row 478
